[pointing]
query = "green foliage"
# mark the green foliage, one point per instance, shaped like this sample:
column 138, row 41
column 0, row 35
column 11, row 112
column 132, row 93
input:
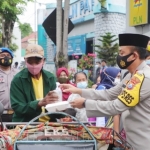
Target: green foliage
column 86, row 62
column 109, row 48
column 90, row 83
column 25, row 29
column 9, row 11
column 0, row 39
column 103, row 3
column 13, row 46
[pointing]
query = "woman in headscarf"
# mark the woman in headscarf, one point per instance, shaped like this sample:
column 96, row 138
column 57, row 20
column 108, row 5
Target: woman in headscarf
column 109, row 78
column 63, row 77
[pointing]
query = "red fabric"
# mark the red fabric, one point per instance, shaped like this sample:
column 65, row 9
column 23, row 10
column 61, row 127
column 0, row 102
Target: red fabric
column 66, row 95
column 62, row 69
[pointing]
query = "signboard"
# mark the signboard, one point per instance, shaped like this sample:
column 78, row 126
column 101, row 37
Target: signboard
column 138, row 12
column 72, row 66
column 81, row 8
column 77, row 45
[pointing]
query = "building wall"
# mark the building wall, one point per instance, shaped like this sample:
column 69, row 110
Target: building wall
column 142, row 29
column 109, row 22
column 88, row 19
column 83, row 28
column 17, row 41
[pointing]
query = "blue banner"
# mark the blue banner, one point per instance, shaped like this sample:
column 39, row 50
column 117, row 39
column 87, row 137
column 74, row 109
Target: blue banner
column 77, row 45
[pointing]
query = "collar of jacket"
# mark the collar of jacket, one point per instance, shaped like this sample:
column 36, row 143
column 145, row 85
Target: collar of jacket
column 46, row 75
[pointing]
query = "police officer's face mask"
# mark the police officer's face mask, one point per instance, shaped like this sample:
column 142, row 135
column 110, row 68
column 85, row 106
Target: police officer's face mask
column 122, row 61
column 6, row 61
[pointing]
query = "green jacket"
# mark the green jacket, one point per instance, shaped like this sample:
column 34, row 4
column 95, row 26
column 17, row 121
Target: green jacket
column 22, row 96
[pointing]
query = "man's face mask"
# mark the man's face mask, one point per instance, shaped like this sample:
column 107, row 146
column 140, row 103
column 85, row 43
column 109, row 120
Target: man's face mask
column 34, row 69
column 63, row 80
column 6, row 61
column 122, row 61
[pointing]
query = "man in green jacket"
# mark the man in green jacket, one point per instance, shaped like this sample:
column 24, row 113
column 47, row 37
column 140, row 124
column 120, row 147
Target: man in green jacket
column 32, row 88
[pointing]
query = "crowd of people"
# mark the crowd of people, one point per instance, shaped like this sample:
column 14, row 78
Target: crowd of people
column 123, row 95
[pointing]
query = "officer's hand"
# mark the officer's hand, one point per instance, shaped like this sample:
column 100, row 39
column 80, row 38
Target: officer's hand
column 70, row 88
column 78, row 103
column 50, row 98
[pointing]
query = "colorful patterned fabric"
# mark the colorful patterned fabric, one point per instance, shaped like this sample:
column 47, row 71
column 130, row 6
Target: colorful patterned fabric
column 102, row 135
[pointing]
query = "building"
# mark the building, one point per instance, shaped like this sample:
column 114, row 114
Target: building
column 32, row 38
column 138, row 17
column 91, row 19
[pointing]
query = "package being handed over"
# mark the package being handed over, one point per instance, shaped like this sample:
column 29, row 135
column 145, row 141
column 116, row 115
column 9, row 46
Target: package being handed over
column 58, row 91
column 59, row 106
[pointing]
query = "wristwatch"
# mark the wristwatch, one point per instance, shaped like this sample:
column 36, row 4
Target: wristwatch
column 84, row 103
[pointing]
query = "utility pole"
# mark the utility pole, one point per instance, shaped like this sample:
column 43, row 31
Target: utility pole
column 65, row 31
column 59, row 31
column 35, row 19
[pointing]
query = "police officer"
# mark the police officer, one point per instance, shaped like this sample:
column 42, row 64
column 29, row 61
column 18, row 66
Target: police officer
column 6, row 75
column 131, row 97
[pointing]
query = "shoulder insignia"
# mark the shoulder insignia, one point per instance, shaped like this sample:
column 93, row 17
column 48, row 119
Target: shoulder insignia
column 130, row 95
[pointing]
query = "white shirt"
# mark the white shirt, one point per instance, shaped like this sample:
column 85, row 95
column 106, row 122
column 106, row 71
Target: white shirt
column 81, row 113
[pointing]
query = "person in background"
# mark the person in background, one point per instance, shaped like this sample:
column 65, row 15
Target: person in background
column 130, row 98
column 81, row 81
column 103, row 66
column 148, row 62
column 147, row 57
column 16, row 65
column 98, row 68
column 109, row 78
column 7, row 73
column 97, row 82
column 63, row 77
column 32, row 88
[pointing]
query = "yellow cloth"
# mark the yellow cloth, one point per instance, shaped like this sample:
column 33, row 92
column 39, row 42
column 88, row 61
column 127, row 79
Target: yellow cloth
column 38, row 90
column 130, row 96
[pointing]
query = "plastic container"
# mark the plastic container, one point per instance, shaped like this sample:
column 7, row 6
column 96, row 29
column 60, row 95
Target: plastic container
column 58, row 91
column 59, row 106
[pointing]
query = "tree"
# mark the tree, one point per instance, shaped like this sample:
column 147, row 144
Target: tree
column 103, row 4
column 25, row 29
column 109, row 48
column 59, row 55
column 9, row 10
column 62, row 39
column 65, row 31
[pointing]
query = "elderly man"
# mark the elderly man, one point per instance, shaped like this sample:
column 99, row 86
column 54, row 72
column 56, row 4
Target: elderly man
column 7, row 72
column 130, row 98
column 32, row 88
